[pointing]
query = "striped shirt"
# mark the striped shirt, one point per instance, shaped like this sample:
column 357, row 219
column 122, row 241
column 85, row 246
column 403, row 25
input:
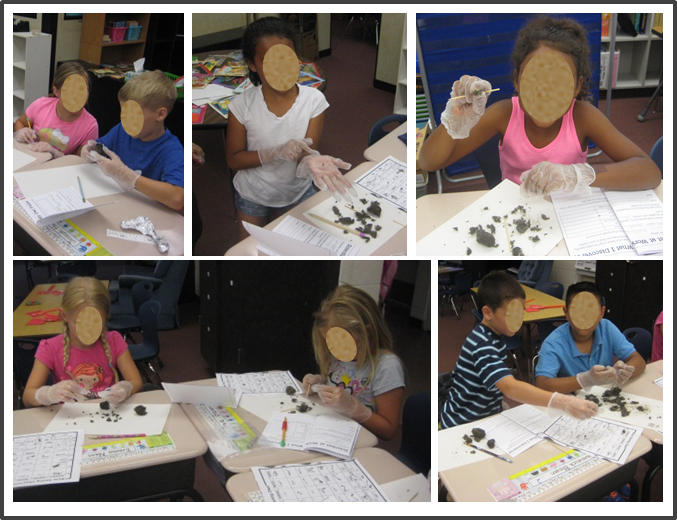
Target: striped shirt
column 473, row 394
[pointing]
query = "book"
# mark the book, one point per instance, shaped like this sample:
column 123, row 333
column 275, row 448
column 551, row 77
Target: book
column 201, row 81
column 56, row 206
column 245, row 85
column 221, row 106
column 198, row 113
column 606, row 17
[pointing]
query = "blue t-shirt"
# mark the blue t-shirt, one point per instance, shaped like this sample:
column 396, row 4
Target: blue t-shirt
column 160, row 160
column 559, row 356
column 473, row 394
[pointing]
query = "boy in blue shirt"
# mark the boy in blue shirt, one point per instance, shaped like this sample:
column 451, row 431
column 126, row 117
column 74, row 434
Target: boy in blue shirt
column 151, row 160
column 481, row 377
column 572, row 357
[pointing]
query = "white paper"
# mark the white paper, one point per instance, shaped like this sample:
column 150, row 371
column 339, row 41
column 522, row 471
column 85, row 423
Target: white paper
column 259, row 382
column 20, row 159
column 200, row 394
column 640, row 213
column 94, row 421
column 211, row 92
column 414, row 488
column 454, row 239
column 650, row 416
column 589, row 224
column 55, row 206
column 94, row 182
column 264, row 405
column 530, row 418
column 47, row 458
column 388, row 181
column 299, row 231
column 659, row 382
column 454, row 453
column 335, row 481
column 509, row 435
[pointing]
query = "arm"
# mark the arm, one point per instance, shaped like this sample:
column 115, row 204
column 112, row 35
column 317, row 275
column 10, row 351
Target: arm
column 165, row 193
column 237, row 155
column 129, row 372
column 22, row 122
column 314, row 132
column 385, row 421
column 37, row 379
column 523, row 392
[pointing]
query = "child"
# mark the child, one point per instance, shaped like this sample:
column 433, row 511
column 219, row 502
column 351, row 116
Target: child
column 370, row 388
column 657, row 346
column 50, row 127
column 572, row 358
column 481, row 377
column 543, row 157
column 82, row 368
column 273, row 134
column 152, row 160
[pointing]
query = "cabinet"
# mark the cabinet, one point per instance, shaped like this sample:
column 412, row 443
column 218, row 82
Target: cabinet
column 164, row 43
column 31, row 55
column 94, row 50
column 401, row 88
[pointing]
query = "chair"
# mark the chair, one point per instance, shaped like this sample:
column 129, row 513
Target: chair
column 377, row 132
column 141, row 293
column 61, row 278
column 533, row 272
column 351, row 18
column 657, row 154
column 641, row 339
column 476, row 283
column 415, row 449
column 655, row 97
column 489, row 161
column 148, row 350
column 460, row 288
column 554, row 289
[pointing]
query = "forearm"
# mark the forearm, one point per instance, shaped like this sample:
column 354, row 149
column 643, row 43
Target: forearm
column 18, row 125
column 638, row 362
column 381, row 427
column 636, row 173
column 437, row 150
column 165, row 193
column 563, row 385
column 525, row 393
column 28, row 398
column 244, row 160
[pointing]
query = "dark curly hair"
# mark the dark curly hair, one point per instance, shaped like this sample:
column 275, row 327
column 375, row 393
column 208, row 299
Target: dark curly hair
column 562, row 34
column 268, row 26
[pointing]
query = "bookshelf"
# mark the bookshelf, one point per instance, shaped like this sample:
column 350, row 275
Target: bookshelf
column 94, row 50
column 31, row 54
column 401, row 88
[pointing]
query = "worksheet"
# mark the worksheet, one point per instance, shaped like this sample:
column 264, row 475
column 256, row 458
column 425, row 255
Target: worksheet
column 529, row 417
column 510, row 436
column 305, row 233
column 259, row 382
column 414, row 488
column 637, row 410
column 21, row 159
column 640, row 214
column 47, row 458
column 335, row 481
column 387, row 181
column 45, row 180
column 56, row 206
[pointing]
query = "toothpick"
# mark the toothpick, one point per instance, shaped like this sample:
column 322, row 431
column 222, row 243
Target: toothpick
column 507, row 234
column 477, row 92
column 340, row 226
column 400, row 223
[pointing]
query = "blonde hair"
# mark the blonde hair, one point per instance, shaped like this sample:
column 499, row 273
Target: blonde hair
column 151, row 90
column 92, row 292
column 355, row 311
column 68, row 69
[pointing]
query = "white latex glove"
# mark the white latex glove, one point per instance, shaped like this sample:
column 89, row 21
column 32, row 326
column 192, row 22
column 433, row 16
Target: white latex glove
column 460, row 115
column 577, row 408
column 198, row 155
column 44, row 147
column 87, row 152
column 62, row 392
column 26, row 135
column 597, row 375
column 116, row 169
column 289, row 151
column 546, row 178
column 117, row 393
column 309, row 380
column 623, row 372
column 342, row 402
column 324, row 170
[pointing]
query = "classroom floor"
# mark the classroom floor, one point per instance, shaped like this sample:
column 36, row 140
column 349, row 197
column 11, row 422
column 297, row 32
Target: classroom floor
column 355, row 105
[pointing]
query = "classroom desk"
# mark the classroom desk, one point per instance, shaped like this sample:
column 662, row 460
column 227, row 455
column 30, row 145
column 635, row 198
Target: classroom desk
column 168, row 223
column 380, row 464
column 264, row 456
column 390, row 144
column 39, row 157
column 643, row 385
column 397, row 245
column 169, row 473
column 434, row 210
column 469, row 483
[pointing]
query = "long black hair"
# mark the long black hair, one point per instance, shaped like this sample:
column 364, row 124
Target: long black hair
column 268, row 26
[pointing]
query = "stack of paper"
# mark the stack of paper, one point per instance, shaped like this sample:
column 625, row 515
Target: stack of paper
column 210, row 93
column 56, row 206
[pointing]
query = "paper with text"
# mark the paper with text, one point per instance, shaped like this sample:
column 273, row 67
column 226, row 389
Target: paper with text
column 388, row 181
column 293, row 228
column 510, row 436
column 640, row 214
column 56, row 206
column 47, row 458
column 259, row 382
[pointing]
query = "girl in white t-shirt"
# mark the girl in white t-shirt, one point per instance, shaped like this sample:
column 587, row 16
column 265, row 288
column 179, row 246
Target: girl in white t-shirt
column 273, row 135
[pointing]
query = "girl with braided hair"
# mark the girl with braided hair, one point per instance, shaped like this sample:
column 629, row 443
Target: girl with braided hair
column 84, row 360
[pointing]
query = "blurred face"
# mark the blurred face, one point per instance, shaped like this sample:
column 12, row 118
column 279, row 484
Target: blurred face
column 73, row 93
column 341, row 343
column 85, row 324
column 276, row 63
column 507, row 319
column 584, row 314
column 140, row 122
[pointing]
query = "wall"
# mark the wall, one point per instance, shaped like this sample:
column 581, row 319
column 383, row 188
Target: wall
column 35, row 23
column 215, row 22
column 323, row 31
column 390, row 46
column 365, row 274
column 67, row 40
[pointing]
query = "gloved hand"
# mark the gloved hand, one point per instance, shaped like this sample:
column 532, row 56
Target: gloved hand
column 546, row 178
column 26, row 135
column 309, row 380
column 66, row 391
column 460, row 115
column 289, row 151
column 571, row 405
column 597, row 375
column 44, row 147
column 116, row 169
column 88, row 153
column 341, row 401
column 118, row 392
column 623, row 372
column 324, row 170
column 198, row 155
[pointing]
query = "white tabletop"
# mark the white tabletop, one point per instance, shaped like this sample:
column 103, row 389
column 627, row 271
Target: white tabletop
column 643, row 386
column 390, row 144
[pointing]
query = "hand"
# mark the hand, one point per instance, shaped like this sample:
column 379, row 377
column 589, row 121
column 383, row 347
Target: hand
column 309, row 380
column 198, row 155
column 623, row 372
column 88, row 152
column 546, row 178
column 26, row 135
column 460, row 115
column 116, row 169
column 577, row 408
column 66, row 391
column 118, row 392
column 597, row 375
column 341, row 401
column 324, row 170
column 289, row 151
column 44, row 147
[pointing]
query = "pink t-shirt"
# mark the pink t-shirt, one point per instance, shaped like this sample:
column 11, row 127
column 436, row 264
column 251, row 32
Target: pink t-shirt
column 518, row 155
column 89, row 368
column 62, row 135
column 657, row 347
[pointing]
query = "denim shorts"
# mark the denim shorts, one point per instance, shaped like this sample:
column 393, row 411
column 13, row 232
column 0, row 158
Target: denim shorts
column 254, row 209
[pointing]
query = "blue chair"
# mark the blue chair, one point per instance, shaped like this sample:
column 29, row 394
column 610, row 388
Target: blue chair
column 460, row 288
column 125, row 323
column 377, row 132
column 554, row 289
column 641, row 339
column 415, row 449
column 533, row 272
column 23, row 358
column 148, row 350
column 657, row 154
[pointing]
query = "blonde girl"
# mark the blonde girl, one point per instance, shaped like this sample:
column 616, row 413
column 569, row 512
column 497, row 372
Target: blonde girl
column 370, row 388
column 65, row 355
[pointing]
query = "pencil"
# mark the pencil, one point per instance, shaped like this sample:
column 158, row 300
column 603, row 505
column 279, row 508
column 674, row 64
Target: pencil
column 488, row 452
column 340, row 226
column 81, row 191
column 478, row 92
column 284, row 432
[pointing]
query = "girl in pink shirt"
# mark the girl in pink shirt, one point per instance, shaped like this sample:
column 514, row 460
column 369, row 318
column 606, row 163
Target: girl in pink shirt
column 50, row 127
column 549, row 156
column 85, row 359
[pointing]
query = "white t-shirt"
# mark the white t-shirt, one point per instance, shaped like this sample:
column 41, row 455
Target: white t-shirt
column 274, row 184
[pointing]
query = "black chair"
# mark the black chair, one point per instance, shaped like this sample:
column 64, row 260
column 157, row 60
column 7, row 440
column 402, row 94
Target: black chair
column 641, row 339
column 148, row 350
column 415, row 449
column 554, row 289
column 377, row 131
column 126, row 323
column 489, row 161
column 460, row 288
column 62, row 278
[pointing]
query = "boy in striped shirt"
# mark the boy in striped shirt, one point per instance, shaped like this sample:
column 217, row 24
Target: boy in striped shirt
column 481, row 377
